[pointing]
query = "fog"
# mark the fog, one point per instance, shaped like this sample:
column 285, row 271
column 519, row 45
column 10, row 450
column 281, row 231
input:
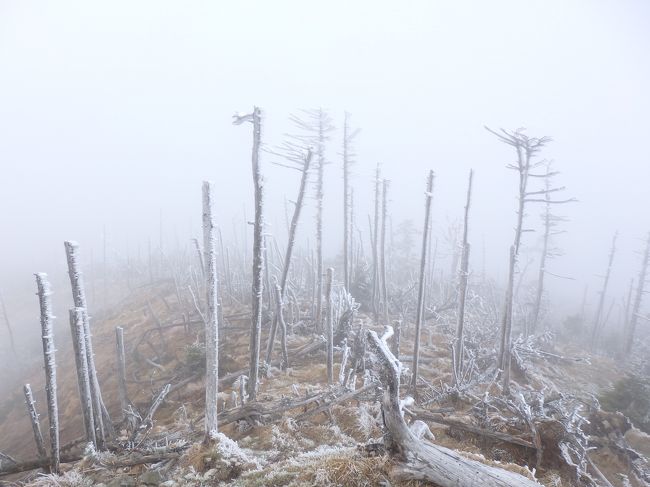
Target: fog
column 111, row 115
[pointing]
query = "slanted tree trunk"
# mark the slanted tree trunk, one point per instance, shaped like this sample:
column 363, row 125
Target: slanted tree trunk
column 462, row 287
column 49, row 360
column 211, row 322
column 36, row 425
column 421, row 284
column 330, row 325
column 279, row 318
column 629, row 339
column 601, row 301
column 83, row 375
column 258, row 252
column 542, row 266
column 103, row 423
column 417, row 459
column 289, row 251
column 121, row 371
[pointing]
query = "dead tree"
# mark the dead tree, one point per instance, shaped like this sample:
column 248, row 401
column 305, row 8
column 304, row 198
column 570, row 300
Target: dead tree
column 121, row 371
column 419, row 313
column 598, row 319
column 348, row 160
column 421, row 460
column 83, row 375
column 550, row 221
column 211, row 322
column 279, row 318
column 382, row 252
column 527, row 149
column 8, row 324
column 49, row 360
column 258, row 251
column 375, row 246
column 462, row 287
column 103, row 423
column 629, row 335
column 330, row 325
column 293, row 155
column 36, row 425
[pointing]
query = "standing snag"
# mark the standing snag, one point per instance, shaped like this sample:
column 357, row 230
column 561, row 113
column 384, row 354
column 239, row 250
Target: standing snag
column 258, row 250
column 83, row 375
column 211, row 322
column 330, row 325
column 49, row 360
column 631, row 327
column 36, row 425
column 419, row 314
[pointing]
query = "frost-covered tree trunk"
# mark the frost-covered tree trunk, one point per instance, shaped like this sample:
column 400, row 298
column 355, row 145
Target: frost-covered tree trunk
column 289, row 251
column 258, row 252
column 103, row 423
column 629, row 338
column 375, row 246
column 199, row 256
column 330, row 325
column 49, row 360
column 83, row 375
column 506, row 328
column 211, row 322
column 121, row 371
column 279, row 318
column 36, row 425
column 421, row 284
column 462, row 286
column 603, row 293
column 382, row 251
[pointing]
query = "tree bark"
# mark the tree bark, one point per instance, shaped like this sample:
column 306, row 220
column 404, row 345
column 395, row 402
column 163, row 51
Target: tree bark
column 462, row 287
column 83, row 375
column 421, row 285
column 211, row 323
column 36, row 425
column 49, row 360
column 121, row 371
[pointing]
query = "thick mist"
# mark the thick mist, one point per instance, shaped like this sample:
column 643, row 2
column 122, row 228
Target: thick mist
column 111, row 115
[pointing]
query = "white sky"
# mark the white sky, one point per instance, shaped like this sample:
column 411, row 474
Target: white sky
column 111, row 112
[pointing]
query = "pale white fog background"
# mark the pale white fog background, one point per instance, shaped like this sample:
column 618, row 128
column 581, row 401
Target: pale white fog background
column 112, row 113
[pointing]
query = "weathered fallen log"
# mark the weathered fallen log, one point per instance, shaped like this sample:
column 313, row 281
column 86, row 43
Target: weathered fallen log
column 421, row 460
column 424, row 415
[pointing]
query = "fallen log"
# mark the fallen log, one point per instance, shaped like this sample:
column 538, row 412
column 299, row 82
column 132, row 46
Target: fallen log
column 424, row 415
column 419, row 459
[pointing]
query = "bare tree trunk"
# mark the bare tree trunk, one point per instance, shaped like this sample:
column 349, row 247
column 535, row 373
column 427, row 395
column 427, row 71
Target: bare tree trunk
column 462, row 285
column 8, row 323
column 197, row 247
column 279, row 317
column 258, row 253
column 346, row 205
column 319, row 220
column 542, row 265
column 421, row 286
column 289, row 251
column 211, row 324
column 506, row 325
column 100, row 413
column 601, row 301
column 83, row 375
column 44, row 294
column 330, row 325
column 36, row 425
column 121, row 371
column 375, row 247
column 382, row 249
column 629, row 339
